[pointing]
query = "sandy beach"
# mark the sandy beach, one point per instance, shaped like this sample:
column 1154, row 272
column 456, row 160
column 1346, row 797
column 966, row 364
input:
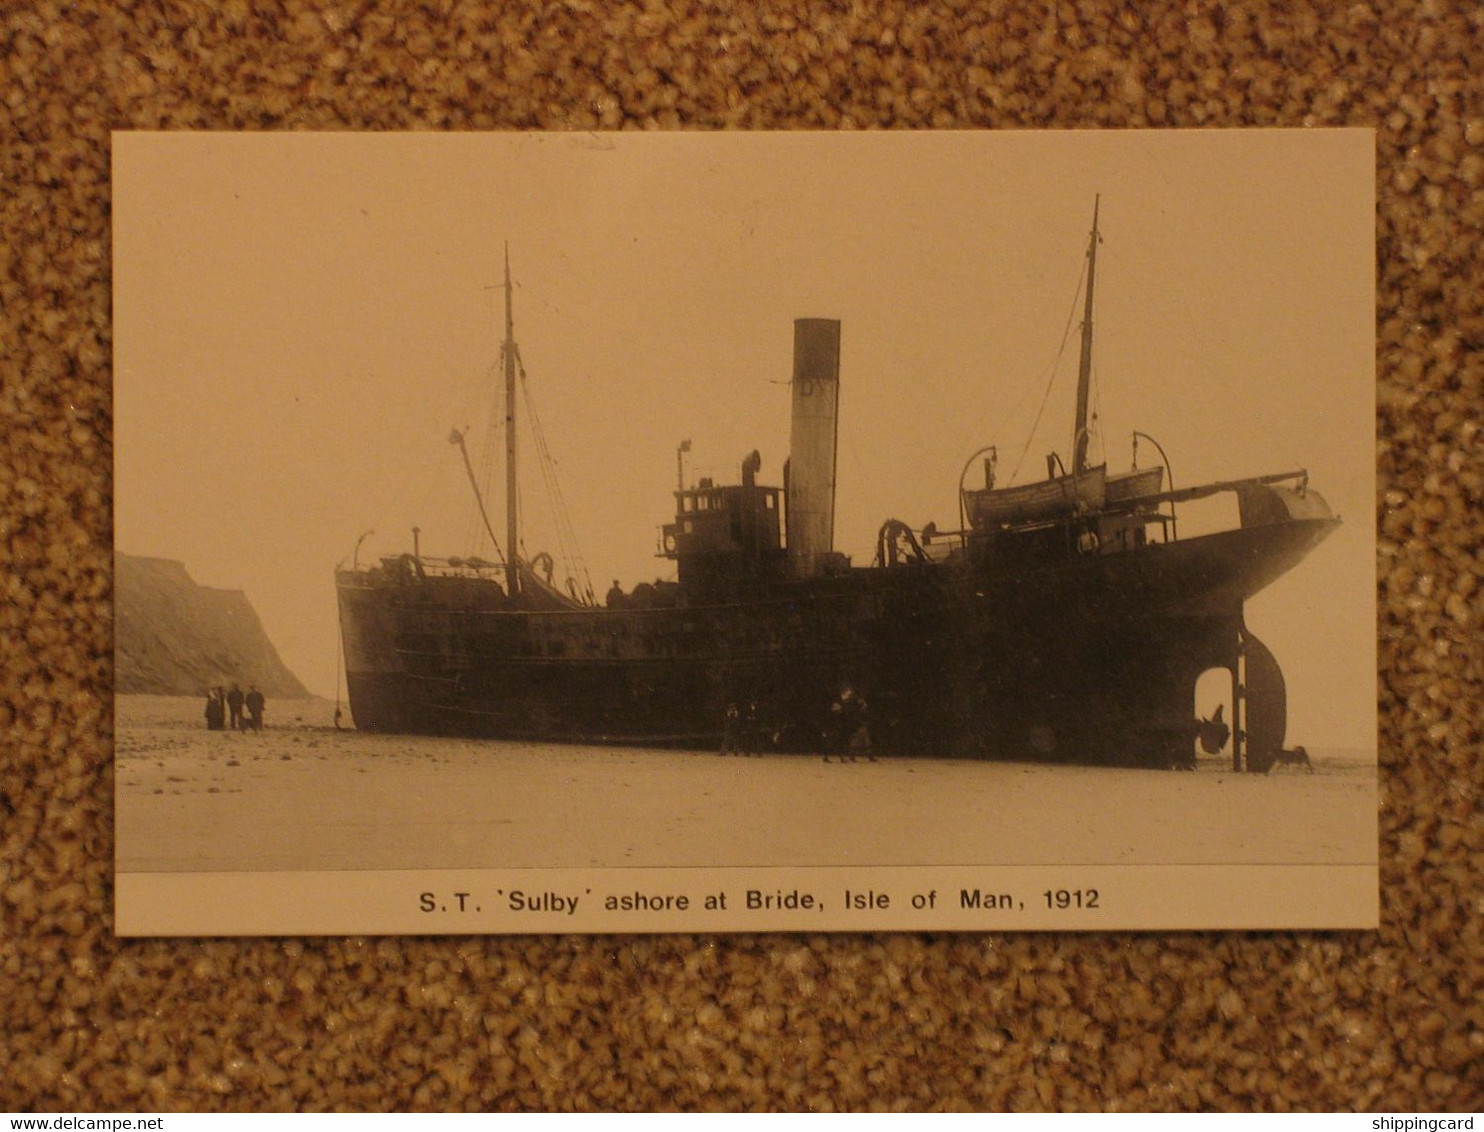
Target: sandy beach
column 301, row 795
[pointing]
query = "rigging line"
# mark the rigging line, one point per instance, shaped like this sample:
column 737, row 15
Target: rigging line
column 569, row 548
column 1051, row 380
column 1025, row 390
column 543, row 453
column 566, row 535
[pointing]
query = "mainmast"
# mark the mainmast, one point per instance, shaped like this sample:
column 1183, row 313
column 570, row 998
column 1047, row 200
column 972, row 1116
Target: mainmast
column 1080, row 436
column 511, row 520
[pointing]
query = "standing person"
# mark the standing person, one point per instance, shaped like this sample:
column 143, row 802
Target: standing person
column 255, row 707
column 752, row 735
column 730, row 741
column 234, row 708
column 860, row 737
column 215, row 713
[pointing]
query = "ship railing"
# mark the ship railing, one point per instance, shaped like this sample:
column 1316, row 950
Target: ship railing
column 1203, row 491
column 452, row 567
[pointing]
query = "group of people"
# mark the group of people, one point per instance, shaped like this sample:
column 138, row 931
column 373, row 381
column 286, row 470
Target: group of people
column 232, row 710
column 848, row 734
column 741, row 734
column 844, row 737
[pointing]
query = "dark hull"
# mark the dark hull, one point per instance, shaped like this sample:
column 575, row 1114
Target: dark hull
column 1090, row 659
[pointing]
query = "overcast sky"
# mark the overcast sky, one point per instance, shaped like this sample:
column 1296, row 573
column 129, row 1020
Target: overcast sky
column 301, row 318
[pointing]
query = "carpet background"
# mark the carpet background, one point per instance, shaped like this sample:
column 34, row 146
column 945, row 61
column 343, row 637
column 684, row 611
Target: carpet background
column 1382, row 1020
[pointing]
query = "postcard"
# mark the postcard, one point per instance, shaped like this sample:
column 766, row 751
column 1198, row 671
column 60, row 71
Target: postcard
column 651, row 532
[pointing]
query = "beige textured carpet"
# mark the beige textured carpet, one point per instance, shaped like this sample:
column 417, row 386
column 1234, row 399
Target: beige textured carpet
column 1391, row 1019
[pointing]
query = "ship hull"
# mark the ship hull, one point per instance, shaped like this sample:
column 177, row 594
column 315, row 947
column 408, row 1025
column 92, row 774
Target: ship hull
column 1092, row 659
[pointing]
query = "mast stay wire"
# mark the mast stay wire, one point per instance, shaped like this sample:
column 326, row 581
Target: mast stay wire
column 1051, row 378
column 479, row 531
column 567, row 546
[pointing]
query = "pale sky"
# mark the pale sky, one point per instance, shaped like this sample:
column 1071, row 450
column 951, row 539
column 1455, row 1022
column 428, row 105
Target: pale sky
column 301, row 318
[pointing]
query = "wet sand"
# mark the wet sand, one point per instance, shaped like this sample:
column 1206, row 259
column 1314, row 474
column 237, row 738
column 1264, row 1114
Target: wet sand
column 302, row 795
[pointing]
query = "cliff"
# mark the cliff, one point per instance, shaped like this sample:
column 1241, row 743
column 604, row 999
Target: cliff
column 173, row 637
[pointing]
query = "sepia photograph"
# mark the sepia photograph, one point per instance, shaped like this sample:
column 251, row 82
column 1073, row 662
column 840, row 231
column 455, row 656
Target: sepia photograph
column 744, row 531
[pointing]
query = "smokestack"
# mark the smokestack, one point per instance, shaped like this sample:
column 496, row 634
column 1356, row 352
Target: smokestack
column 816, row 411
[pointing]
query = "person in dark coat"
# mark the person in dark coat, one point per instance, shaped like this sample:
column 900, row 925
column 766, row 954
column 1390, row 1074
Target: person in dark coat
column 234, row 708
column 216, row 712
column 752, row 735
column 731, row 743
column 254, row 704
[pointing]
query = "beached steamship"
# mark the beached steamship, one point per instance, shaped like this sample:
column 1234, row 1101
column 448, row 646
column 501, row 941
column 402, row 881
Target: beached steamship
column 1062, row 620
